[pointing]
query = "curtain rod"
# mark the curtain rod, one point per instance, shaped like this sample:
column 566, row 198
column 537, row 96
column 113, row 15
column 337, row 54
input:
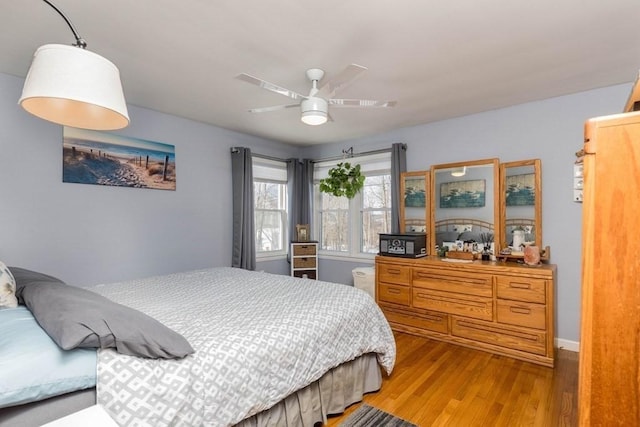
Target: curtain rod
column 264, row 156
column 344, row 156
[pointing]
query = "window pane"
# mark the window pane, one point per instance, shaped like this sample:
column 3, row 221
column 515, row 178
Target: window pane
column 374, row 222
column 268, row 195
column 335, row 230
column 270, row 216
column 269, row 230
column 332, row 202
column 376, row 214
column 376, row 192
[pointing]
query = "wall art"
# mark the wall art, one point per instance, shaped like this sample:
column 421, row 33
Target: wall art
column 101, row 158
column 462, row 194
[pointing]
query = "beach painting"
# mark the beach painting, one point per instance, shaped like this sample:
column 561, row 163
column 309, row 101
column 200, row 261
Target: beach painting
column 414, row 192
column 520, row 190
column 92, row 157
column 462, row 194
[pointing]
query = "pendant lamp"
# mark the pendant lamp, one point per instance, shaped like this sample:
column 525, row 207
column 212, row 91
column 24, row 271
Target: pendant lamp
column 72, row 86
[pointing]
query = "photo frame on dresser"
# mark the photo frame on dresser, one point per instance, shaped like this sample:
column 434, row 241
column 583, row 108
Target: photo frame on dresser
column 302, row 232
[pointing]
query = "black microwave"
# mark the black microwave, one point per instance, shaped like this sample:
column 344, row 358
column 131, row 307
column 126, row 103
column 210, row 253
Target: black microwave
column 408, row 245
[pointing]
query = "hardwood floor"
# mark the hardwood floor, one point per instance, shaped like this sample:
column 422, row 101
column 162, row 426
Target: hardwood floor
column 440, row 384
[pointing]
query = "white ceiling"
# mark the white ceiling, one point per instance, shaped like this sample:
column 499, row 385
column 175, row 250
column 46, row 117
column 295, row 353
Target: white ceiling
column 438, row 59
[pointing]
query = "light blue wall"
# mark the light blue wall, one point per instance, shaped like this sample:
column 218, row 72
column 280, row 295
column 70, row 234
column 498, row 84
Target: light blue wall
column 87, row 233
column 551, row 130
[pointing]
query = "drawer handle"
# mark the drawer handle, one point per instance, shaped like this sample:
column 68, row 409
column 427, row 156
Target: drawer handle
column 520, row 310
column 393, row 271
column 394, row 291
column 520, row 285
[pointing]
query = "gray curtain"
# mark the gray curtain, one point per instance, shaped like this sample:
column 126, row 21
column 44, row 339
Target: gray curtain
column 244, row 234
column 300, row 194
column 398, row 165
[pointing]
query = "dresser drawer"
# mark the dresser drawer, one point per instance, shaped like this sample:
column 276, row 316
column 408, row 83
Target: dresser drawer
column 299, row 250
column 448, row 302
column 457, row 282
column 500, row 335
column 309, row 262
column 436, row 322
column 395, row 294
column 521, row 313
column 394, row 274
column 521, row 289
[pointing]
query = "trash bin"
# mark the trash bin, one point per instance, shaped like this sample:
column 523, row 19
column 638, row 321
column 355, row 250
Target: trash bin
column 365, row 278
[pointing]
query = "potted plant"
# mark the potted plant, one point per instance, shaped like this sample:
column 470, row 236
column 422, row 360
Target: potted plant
column 343, row 180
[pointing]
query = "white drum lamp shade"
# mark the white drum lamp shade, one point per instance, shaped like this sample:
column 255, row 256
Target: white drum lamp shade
column 74, row 87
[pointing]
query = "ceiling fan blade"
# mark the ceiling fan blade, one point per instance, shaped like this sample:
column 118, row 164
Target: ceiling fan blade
column 361, row 103
column 340, row 80
column 274, row 108
column 269, row 86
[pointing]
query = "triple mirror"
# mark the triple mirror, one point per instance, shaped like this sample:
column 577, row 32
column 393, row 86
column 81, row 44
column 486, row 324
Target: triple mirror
column 482, row 201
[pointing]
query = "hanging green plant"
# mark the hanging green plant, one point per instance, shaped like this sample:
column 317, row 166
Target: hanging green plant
column 343, row 180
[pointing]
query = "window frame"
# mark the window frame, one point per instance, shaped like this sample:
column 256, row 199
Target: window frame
column 356, row 211
column 279, row 167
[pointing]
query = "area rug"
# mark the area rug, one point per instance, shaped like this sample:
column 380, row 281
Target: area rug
column 368, row 416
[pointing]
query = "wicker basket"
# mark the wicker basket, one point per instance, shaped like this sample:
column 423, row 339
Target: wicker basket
column 304, row 250
column 304, row 262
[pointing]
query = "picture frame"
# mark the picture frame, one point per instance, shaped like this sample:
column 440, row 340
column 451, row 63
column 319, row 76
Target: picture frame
column 415, row 192
column 302, row 232
column 101, row 158
column 463, row 194
column 520, row 190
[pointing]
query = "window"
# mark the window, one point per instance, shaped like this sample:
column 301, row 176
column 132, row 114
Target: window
column 351, row 227
column 270, row 206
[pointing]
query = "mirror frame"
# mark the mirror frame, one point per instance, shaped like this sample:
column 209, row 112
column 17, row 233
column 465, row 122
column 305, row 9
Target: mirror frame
column 427, row 205
column 537, row 168
column 497, row 228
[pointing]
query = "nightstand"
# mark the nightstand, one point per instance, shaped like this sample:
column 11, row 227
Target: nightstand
column 304, row 259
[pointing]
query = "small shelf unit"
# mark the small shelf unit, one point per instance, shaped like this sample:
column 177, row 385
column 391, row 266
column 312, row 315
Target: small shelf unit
column 304, row 260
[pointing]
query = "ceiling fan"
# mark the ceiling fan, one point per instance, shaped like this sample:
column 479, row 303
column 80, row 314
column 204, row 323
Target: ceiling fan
column 315, row 106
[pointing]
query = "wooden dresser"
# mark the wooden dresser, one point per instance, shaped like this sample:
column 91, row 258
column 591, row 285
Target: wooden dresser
column 609, row 378
column 503, row 308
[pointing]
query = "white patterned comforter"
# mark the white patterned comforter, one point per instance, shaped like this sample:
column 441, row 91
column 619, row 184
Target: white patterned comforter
column 258, row 338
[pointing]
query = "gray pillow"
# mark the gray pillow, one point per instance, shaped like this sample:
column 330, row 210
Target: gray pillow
column 75, row 317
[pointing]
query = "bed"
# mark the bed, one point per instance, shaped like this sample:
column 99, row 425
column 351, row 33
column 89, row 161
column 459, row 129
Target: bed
column 268, row 350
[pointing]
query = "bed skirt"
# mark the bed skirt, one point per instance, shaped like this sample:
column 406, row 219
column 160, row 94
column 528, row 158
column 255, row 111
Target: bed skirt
column 331, row 394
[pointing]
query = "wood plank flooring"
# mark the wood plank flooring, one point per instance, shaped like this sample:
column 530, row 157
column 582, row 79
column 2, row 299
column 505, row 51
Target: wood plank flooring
column 440, row 384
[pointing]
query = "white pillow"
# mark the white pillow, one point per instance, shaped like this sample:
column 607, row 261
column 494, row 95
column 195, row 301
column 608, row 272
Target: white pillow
column 7, row 288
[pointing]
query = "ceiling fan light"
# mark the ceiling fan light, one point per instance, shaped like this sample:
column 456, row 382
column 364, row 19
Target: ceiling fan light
column 74, row 87
column 314, row 111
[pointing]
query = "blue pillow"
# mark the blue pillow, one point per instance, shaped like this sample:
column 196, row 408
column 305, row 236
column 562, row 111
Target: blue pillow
column 33, row 367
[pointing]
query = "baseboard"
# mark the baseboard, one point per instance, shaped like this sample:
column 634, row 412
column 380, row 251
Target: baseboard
column 568, row 345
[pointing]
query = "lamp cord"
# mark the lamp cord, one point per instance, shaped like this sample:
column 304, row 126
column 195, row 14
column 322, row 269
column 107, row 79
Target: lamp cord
column 80, row 42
